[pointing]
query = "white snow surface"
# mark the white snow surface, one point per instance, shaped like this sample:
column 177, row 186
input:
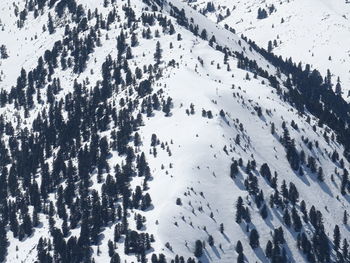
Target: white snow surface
column 197, row 171
column 316, row 32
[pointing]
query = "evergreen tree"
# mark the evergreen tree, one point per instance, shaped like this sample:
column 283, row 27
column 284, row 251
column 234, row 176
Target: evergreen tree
column 336, row 237
column 221, row 228
column 50, row 25
column 234, row 169
column 239, row 210
column 345, row 249
column 264, row 212
column 265, row 171
column 338, row 89
column 268, row 249
column 239, row 247
column 240, row 258
column 296, row 220
column 198, row 249
column 134, row 40
column 110, row 248
column 262, row 13
column 254, row 238
column 204, row 34
column 286, row 218
column 3, row 52
column 158, row 53
column 3, row 241
column 211, row 240
column 115, row 258
column 269, row 47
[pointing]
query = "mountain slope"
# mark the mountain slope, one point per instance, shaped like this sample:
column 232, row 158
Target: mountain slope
column 135, row 135
column 312, row 32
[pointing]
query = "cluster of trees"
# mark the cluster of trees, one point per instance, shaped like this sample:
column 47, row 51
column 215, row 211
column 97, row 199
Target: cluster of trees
column 308, row 90
column 210, row 7
column 68, row 130
column 286, row 198
column 262, row 13
column 315, row 245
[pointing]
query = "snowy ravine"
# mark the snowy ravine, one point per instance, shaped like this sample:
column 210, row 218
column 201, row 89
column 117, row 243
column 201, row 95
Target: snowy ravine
column 142, row 131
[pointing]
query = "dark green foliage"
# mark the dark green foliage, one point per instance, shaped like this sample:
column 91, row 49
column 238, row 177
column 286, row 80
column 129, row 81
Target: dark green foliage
column 254, row 239
column 198, row 251
column 144, row 88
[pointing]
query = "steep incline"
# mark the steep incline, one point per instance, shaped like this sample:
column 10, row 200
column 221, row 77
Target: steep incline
column 127, row 137
column 314, row 32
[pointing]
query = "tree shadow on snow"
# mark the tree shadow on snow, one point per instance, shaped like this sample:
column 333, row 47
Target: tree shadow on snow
column 260, row 254
column 150, row 208
column 206, row 258
column 289, row 253
column 239, row 183
column 226, row 237
column 268, row 220
column 322, row 185
column 303, row 178
column 347, row 198
column 216, row 252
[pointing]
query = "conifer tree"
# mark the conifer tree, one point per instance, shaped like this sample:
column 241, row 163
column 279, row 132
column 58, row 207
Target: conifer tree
column 268, row 249
column 3, row 241
column 239, row 210
column 50, row 25
column 336, row 237
column 198, row 249
column 158, row 53
column 254, row 238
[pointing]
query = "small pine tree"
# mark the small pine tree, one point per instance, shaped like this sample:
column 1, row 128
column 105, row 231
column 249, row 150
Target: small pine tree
column 336, row 237
column 254, row 239
column 240, row 258
column 269, row 47
column 239, row 210
column 234, row 169
column 345, row 249
column 211, row 240
column 3, row 52
column 239, row 247
column 110, row 248
column 268, row 249
column 50, row 25
column 158, row 53
column 264, row 212
column 115, row 258
column 198, row 252
column 221, row 228
column 204, row 34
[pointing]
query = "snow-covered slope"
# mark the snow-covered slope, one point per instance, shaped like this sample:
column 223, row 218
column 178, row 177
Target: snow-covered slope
column 193, row 125
column 313, row 32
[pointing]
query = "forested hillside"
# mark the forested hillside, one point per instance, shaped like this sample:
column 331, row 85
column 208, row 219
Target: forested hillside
column 142, row 131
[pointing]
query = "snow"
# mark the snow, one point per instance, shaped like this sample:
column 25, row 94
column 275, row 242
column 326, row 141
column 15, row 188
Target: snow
column 312, row 30
column 197, row 163
column 201, row 164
